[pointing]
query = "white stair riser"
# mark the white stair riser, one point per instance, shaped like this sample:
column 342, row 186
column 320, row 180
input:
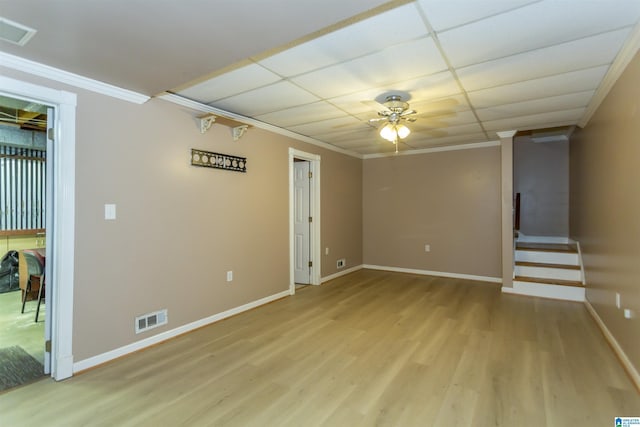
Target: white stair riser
column 570, row 293
column 548, row 273
column 547, row 257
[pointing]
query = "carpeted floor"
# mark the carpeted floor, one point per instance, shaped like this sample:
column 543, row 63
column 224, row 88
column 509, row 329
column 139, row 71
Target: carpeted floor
column 17, row 367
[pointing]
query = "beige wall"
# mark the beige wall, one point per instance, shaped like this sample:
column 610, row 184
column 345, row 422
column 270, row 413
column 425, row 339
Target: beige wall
column 180, row 228
column 541, row 176
column 449, row 200
column 605, row 207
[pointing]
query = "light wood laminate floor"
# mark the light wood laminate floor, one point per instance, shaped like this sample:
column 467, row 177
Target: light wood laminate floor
column 370, row 348
column 20, row 328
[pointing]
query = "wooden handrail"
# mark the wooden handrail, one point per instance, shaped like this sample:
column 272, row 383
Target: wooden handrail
column 29, row 232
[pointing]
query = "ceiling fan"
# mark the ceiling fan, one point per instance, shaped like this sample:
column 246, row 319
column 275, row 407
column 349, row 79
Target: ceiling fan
column 395, row 111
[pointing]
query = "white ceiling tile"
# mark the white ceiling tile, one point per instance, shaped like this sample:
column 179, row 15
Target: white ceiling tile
column 470, row 128
column 243, row 79
column 533, row 27
column 340, row 134
column 575, row 81
column 449, row 140
column 387, row 66
column 421, row 90
column 431, row 87
column 266, row 99
column 584, row 53
column 434, row 106
column 364, row 37
column 451, row 13
column 543, row 120
column 536, row 106
column 460, row 118
column 301, row 114
column 319, row 128
column 359, row 141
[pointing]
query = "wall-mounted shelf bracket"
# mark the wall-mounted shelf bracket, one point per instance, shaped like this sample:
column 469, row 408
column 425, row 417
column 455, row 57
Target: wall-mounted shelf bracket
column 206, row 122
column 237, row 128
column 238, row 131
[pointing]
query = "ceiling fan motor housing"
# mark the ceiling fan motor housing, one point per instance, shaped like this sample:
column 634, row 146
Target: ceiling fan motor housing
column 395, row 104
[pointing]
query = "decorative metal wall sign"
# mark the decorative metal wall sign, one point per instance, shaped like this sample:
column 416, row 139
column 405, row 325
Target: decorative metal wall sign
column 218, row 161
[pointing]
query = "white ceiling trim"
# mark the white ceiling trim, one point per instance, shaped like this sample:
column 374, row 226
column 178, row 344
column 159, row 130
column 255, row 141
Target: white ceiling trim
column 619, row 64
column 197, row 106
column 435, row 149
column 37, row 69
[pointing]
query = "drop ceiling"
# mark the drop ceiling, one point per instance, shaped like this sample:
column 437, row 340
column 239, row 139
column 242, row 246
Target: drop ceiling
column 470, row 68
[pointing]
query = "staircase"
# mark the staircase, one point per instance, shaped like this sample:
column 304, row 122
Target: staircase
column 549, row 270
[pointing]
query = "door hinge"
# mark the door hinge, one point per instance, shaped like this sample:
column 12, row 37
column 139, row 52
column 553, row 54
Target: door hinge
column 47, row 346
column 310, row 219
column 310, row 174
column 51, row 134
column 310, row 263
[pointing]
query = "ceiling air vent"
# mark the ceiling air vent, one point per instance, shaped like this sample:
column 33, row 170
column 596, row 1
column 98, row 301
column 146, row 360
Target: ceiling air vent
column 15, row 33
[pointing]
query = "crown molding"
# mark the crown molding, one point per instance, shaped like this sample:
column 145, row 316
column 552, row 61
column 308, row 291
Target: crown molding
column 619, row 64
column 37, row 69
column 198, row 106
column 435, row 149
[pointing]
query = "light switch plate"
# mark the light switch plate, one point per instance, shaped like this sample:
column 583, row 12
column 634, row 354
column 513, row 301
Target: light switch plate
column 109, row 211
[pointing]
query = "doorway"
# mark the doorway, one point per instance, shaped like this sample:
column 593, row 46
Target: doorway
column 23, row 205
column 304, row 219
column 60, row 197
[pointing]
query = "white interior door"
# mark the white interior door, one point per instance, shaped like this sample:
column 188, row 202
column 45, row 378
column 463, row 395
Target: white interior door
column 301, row 225
column 49, row 242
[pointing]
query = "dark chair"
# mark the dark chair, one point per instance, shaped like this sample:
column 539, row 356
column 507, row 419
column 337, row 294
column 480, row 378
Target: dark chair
column 40, row 296
column 31, row 277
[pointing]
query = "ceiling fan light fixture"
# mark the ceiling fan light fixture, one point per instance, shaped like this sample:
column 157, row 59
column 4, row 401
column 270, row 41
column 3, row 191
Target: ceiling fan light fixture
column 392, row 132
column 388, row 132
column 403, row 131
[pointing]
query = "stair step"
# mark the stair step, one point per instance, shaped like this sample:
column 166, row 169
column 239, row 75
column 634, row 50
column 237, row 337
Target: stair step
column 546, row 247
column 547, row 265
column 548, row 281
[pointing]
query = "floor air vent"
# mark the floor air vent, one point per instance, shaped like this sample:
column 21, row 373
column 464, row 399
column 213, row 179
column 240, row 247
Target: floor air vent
column 151, row 320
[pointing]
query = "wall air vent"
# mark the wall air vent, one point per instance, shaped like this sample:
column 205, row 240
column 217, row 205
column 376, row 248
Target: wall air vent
column 15, row 33
column 151, row 320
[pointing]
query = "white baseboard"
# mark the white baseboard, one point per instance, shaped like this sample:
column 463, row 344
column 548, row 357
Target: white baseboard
column 566, row 293
column 147, row 342
column 626, row 363
column 434, row 273
column 341, row 273
column 543, row 239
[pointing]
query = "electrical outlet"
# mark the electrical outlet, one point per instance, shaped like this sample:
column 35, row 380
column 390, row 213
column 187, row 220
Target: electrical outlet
column 618, row 304
column 628, row 313
column 341, row 263
column 427, row 248
column 229, row 276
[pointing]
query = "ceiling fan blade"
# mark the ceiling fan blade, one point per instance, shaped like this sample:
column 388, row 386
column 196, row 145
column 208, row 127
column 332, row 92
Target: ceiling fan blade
column 436, row 114
column 408, row 113
column 378, row 119
column 376, row 106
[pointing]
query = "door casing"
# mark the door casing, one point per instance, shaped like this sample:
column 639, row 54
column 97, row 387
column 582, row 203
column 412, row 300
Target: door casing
column 314, row 212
